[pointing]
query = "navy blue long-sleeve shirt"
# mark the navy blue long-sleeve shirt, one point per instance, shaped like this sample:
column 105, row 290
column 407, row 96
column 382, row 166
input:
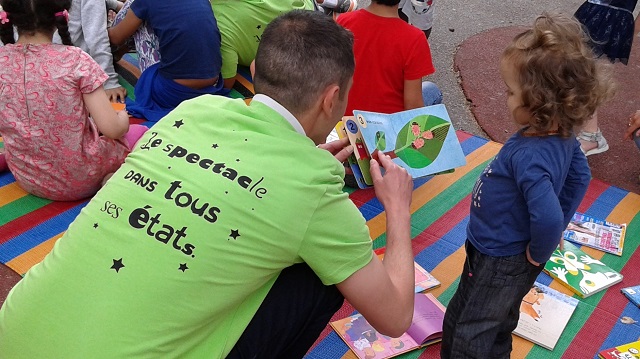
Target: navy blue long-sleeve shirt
column 527, row 196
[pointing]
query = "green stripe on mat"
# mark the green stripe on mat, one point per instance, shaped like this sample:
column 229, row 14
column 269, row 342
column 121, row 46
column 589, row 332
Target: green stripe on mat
column 439, row 205
column 20, row 207
column 127, row 86
column 445, row 297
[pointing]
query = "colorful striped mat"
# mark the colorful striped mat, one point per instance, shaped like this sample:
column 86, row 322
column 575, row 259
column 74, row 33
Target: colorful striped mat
column 440, row 210
column 29, row 226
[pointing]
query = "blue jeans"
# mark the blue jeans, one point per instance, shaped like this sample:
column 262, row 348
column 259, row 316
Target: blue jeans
column 431, row 94
column 486, row 306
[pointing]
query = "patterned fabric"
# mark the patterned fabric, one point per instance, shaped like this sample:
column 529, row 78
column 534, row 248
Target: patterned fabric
column 610, row 25
column 147, row 45
column 52, row 146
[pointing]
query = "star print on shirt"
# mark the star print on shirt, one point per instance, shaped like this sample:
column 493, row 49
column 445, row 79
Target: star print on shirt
column 183, row 267
column 259, row 27
column 178, row 123
column 95, row 225
column 235, row 233
column 117, row 265
column 215, row 145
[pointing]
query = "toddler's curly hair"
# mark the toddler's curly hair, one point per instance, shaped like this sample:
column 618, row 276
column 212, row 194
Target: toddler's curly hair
column 560, row 78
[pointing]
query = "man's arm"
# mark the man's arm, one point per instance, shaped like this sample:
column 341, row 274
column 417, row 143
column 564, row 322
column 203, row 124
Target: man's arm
column 383, row 292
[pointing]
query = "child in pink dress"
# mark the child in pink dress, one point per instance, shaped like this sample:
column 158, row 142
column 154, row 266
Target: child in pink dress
column 47, row 92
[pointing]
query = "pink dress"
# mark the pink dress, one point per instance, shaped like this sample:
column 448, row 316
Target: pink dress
column 52, row 147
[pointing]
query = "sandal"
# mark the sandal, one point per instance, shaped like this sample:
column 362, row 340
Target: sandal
column 593, row 137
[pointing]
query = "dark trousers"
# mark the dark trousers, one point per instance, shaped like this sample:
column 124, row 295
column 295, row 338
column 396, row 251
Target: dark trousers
column 291, row 317
column 486, row 306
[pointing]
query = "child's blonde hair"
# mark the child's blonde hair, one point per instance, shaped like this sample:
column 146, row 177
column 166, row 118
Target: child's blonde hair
column 560, row 79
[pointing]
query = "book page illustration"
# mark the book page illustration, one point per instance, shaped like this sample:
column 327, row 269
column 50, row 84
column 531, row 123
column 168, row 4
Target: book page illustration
column 367, row 343
column 428, row 315
column 341, row 132
column 595, row 233
column 579, row 272
column 544, row 313
column 363, row 158
column 421, row 140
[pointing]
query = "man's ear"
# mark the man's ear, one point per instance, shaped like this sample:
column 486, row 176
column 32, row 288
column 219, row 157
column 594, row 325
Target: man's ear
column 330, row 99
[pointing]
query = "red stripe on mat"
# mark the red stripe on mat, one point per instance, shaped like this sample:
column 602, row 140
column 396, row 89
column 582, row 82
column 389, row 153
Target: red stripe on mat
column 442, row 225
column 596, row 188
column 362, row 196
column 33, row 218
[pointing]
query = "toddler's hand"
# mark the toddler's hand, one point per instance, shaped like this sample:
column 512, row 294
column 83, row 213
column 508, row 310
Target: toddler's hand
column 531, row 259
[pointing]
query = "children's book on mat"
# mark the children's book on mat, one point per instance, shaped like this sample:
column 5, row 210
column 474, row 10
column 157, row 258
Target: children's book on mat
column 421, row 140
column 424, row 280
column 633, row 294
column 625, row 351
column 596, row 233
column 579, row 272
column 544, row 313
column 366, row 342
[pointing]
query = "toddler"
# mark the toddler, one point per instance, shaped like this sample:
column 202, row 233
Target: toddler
column 52, row 146
column 527, row 195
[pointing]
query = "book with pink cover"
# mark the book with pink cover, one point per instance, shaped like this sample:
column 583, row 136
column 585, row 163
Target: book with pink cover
column 366, row 342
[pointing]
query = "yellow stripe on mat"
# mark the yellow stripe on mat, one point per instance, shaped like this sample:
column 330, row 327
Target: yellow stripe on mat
column 22, row 263
column 10, row 193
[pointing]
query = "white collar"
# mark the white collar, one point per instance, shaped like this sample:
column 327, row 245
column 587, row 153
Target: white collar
column 266, row 100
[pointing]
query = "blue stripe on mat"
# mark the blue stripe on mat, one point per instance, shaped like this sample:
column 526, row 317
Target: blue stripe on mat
column 39, row 234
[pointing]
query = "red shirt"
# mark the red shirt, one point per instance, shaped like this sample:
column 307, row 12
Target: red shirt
column 387, row 52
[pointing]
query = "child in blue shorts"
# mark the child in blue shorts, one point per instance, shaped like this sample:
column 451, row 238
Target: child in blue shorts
column 526, row 196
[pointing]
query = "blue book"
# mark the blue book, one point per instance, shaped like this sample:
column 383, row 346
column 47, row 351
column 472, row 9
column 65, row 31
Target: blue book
column 633, row 294
column 422, row 140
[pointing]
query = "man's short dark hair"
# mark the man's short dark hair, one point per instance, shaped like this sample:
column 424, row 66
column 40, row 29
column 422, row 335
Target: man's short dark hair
column 300, row 54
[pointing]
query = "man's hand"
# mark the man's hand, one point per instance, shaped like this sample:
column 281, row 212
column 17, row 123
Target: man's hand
column 116, row 94
column 394, row 188
column 340, row 149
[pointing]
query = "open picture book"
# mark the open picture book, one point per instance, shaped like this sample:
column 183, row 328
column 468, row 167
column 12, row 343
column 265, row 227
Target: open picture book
column 544, row 313
column 596, row 233
column 579, row 272
column 367, row 343
column 421, row 140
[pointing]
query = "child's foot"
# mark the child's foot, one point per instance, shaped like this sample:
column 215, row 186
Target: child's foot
column 592, row 143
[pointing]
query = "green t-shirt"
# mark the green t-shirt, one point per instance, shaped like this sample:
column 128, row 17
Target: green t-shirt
column 241, row 25
column 173, row 257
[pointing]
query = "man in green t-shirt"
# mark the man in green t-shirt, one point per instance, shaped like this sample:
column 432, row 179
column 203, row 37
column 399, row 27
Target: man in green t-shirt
column 226, row 232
